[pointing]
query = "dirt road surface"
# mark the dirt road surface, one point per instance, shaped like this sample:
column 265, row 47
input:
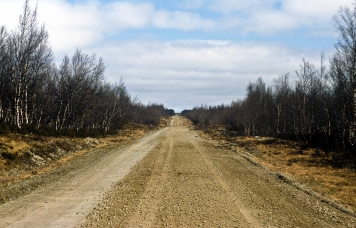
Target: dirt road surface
column 171, row 178
column 66, row 201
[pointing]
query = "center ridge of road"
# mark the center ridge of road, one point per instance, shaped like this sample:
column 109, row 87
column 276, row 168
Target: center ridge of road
column 171, row 178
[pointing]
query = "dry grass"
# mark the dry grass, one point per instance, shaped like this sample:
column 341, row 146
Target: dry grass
column 16, row 151
column 308, row 165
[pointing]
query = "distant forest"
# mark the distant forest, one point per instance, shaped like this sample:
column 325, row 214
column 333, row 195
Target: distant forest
column 38, row 96
column 318, row 108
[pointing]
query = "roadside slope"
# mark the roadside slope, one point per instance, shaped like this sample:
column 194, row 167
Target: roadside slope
column 65, row 202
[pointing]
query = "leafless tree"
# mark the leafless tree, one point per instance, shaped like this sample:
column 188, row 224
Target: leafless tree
column 4, row 63
column 32, row 54
column 345, row 22
column 78, row 82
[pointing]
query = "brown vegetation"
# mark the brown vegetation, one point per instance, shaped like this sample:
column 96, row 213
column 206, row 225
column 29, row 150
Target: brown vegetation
column 311, row 166
column 22, row 156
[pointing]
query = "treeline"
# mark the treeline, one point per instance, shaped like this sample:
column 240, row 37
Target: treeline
column 35, row 94
column 318, row 108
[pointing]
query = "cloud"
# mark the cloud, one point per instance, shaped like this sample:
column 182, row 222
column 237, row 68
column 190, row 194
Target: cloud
column 182, row 74
column 268, row 17
column 184, row 21
column 87, row 23
column 125, row 15
column 10, row 11
column 68, row 25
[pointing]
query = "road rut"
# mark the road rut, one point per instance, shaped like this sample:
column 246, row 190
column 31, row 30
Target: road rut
column 186, row 181
column 172, row 178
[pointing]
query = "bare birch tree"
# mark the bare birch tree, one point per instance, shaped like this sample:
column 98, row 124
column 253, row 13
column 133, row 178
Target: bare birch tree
column 31, row 55
column 345, row 23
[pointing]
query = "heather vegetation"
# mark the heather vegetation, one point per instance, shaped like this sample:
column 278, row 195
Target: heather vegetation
column 72, row 98
column 318, row 108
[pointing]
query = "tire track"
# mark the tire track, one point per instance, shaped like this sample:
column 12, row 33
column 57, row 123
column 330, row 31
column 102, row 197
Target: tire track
column 186, row 181
column 150, row 201
column 221, row 180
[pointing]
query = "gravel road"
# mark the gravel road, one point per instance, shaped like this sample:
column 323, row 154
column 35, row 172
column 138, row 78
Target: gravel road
column 68, row 194
column 171, row 178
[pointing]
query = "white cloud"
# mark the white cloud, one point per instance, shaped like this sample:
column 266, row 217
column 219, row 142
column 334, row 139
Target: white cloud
column 315, row 8
column 264, row 17
column 184, row 21
column 124, row 15
column 89, row 22
column 181, row 74
column 10, row 11
column 69, row 26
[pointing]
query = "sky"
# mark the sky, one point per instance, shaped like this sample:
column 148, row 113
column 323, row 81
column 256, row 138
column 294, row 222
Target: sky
column 189, row 52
